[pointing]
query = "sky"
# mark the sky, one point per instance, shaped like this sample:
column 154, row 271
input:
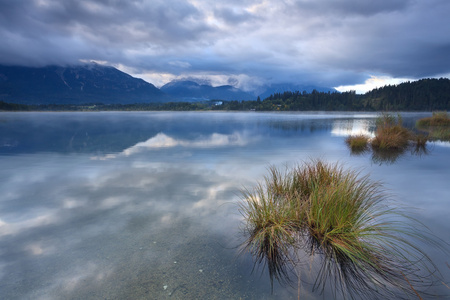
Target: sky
column 346, row 44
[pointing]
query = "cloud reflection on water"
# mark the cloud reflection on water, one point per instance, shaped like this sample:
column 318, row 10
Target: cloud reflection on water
column 162, row 140
column 78, row 225
column 442, row 143
column 353, row 127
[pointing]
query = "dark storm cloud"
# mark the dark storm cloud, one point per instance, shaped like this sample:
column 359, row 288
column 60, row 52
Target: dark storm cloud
column 351, row 7
column 411, row 43
column 400, row 38
column 117, row 22
column 335, row 42
column 66, row 31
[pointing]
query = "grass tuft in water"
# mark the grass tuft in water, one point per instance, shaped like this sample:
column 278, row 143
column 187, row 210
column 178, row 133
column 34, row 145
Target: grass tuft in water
column 324, row 210
column 439, row 118
column 391, row 140
column 358, row 143
column 437, row 126
column 270, row 226
column 390, row 133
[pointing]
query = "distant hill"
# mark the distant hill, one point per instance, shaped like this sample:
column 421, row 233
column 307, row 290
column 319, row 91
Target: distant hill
column 289, row 87
column 427, row 94
column 422, row 95
column 190, row 91
column 89, row 83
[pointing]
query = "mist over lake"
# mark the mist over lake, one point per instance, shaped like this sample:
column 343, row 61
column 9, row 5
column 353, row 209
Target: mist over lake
column 144, row 205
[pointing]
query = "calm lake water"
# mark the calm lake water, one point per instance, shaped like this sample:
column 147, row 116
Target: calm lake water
column 128, row 205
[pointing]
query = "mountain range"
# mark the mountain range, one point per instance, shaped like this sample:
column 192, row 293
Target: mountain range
column 190, row 91
column 94, row 83
column 90, row 83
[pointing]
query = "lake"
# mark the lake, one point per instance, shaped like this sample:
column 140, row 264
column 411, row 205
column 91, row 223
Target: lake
column 144, row 205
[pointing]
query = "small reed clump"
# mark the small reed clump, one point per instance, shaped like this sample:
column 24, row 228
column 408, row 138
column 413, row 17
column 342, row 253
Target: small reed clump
column 358, row 143
column 323, row 209
column 437, row 126
column 439, row 118
column 391, row 140
column 390, row 133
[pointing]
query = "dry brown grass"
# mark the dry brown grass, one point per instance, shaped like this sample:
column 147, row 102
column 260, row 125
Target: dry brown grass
column 440, row 118
column 390, row 133
column 358, row 143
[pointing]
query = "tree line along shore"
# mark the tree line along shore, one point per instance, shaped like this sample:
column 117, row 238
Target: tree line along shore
column 421, row 95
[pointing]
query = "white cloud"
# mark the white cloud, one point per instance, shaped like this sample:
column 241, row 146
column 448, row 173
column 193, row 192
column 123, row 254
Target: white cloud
column 372, row 83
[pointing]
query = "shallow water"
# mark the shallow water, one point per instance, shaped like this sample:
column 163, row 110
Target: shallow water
column 127, row 205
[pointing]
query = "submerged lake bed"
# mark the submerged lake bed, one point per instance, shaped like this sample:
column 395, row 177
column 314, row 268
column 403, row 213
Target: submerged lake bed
column 145, row 205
